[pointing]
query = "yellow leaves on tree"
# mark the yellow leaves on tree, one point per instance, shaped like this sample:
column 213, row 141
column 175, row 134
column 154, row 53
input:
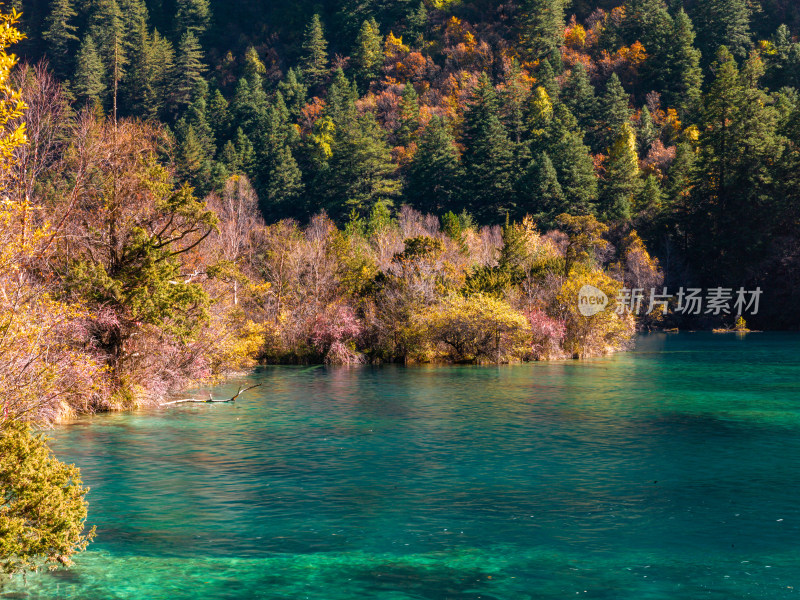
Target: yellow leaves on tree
column 541, row 111
column 11, row 105
column 471, row 329
column 575, row 36
column 42, row 506
column 595, row 335
column 40, row 369
column 394, row 46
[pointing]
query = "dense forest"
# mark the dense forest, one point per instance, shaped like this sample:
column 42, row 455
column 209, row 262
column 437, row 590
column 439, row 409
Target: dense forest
column 195, row 186
column 676, row 119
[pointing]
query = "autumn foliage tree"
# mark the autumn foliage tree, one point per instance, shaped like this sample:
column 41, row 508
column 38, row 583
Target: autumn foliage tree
column 42, row 506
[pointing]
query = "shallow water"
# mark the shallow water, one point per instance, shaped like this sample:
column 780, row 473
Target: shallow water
column 671, row 472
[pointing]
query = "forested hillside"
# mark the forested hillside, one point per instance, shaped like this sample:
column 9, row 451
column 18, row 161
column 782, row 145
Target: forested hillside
column 676, row 118
column 204, row 184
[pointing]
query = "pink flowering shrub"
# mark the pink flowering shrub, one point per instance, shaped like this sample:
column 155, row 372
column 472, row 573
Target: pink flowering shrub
column 546, row 333
column 335, row 334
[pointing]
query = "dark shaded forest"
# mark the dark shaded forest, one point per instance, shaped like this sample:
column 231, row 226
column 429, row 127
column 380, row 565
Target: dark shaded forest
column 675, row 118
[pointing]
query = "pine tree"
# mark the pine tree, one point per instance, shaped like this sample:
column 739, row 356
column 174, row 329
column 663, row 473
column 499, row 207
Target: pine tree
column 197, row 116
column 108, row 31
column 89, row 81
column 284, row 185
column 540, row 193
column 546, row 76
column 647, row 204
column 573, row 162
column 294, row 93
column 150, row 60
column 647, row 132
column 685, row 79
column 720, row 116
column 194, row 164
column 192, row 16
column 408, row 121
column 488, row 156
column 649, row 22
column 60, row 35
column 219, row 115
column 314, row 62
column 162, row 68
column 134, row 15
column 137, row 88
column 278, row 176
column 360, row 174
column 238, row 155
column 253, row 64
column 417, row 21
column 539, row 111
column 189, row 69
column 341, row 101
column 614, row 112
column 677, row 198
column 513, row 97
column 250, row 106
column 783, row 65
column 621, row 182
column 579, row 96
column 368, row 53
column 435, row 172
column 736, row 169
column 541, row 27
column 723, row 22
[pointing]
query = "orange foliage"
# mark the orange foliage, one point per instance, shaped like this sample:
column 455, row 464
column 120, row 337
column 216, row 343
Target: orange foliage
column 673, row 121
column 575, row 36
column 634, row 54
column 624, row 62
column 412, row 68
column 310, row 113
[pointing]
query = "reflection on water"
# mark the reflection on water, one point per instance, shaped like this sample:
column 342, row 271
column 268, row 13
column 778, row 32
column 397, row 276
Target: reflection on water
column 672, row 472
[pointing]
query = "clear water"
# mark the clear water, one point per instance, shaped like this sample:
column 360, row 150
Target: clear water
column 672, row 472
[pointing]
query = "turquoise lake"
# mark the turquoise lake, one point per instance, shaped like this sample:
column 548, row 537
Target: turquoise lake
column 671, row 472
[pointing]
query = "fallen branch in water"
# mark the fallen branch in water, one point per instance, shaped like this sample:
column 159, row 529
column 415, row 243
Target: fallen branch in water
column 211, row 398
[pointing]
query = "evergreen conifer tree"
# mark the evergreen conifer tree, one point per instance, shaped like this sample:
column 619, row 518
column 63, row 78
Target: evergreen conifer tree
column 579, row 96
column 368, row 53
column 435, row 172
column 409, row 116
column 573, row 162
column 540, row 193
column 89, row 81
column 314, row 62
column 192, row 16
column 488, row 156
column 60, row 35
column 685, row 79
column 614, row 112
column 621, row 183
column 360, row 174
column 107, row 28
column 723, row 22
column 294, row 92
column 189, row 69
column 541, row 27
